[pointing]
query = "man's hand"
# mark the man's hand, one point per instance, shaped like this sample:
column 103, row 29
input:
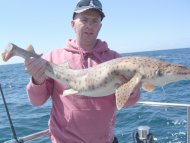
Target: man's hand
column 36, row 68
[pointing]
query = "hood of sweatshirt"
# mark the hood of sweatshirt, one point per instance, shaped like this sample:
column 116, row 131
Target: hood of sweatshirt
column 97, row 52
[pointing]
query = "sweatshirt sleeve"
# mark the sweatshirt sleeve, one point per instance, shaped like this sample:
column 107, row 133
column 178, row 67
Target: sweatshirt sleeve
column 36, row 93
column 39, row 94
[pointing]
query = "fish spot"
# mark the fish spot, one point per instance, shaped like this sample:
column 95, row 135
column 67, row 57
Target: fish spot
column 58, row 76
column 105, row 82
column 92, row 87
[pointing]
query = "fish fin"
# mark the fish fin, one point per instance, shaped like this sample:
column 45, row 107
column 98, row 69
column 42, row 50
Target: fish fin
column 30, row 49
column 148, row 87
column 125, row 90
column 69, row 92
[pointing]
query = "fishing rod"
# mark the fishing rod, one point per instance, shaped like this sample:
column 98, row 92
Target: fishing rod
column 9, row 117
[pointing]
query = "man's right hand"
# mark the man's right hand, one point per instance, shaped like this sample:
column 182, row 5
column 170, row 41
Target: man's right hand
column 36, row 68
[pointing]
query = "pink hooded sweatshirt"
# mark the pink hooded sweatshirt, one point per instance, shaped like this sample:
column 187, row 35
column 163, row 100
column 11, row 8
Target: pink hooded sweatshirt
column 78, row 119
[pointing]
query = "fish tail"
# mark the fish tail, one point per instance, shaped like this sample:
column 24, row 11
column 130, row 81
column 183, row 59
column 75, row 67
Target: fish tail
column 8, row 53
column 13, row 50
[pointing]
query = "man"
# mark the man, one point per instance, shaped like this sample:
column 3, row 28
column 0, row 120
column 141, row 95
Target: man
column 77, row 119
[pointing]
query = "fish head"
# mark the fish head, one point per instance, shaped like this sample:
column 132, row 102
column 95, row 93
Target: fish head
column 173, row 73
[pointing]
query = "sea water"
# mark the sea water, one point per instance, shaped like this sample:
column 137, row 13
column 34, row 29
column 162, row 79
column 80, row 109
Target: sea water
column 168, row 125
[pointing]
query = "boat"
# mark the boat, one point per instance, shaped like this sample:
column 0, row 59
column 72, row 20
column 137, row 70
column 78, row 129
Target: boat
column 45, row 132
column 140, row 137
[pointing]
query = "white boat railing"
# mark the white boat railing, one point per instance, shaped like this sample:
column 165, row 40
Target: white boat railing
column 30, row 137
column 161, row 104
column 177, row 105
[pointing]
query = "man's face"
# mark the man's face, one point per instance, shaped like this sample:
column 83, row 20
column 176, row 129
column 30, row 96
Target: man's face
column 87, row 25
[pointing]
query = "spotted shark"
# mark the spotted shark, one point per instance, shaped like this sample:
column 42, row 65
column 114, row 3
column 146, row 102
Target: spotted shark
column 106, row 78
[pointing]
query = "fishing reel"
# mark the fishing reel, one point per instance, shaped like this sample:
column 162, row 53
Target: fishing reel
column 143, row 135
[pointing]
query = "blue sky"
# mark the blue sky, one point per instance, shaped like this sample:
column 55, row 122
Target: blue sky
column 129, row 25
